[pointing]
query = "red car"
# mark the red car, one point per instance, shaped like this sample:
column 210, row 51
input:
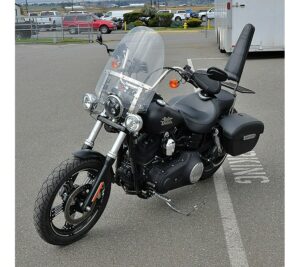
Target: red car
column 85, row 22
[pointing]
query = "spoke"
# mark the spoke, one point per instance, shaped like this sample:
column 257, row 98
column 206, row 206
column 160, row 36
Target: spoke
column 90, row 177
column 57, row 210
column 68, row 226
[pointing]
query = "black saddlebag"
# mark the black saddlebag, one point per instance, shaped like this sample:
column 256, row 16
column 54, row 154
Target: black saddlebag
column 240, row 133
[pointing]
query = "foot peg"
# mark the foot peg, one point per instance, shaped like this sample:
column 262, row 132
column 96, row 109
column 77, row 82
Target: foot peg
column 169, row 202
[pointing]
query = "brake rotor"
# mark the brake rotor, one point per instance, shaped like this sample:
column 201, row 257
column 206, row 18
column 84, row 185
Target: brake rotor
column 73, row 204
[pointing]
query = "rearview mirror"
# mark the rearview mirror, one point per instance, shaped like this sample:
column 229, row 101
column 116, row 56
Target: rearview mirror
column 100, row 41
column 217, row 74
column 99, row 38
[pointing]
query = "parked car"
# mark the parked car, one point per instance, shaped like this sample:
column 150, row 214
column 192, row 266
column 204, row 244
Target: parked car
column 207, row 14
column 115, row 14
column 119, row 23
column 77, row 12
column 54, row 17
column 192, row 14
column 99, row 14
column 45, row 19
column 80, row 23
column 180, row 15
column 24, row 29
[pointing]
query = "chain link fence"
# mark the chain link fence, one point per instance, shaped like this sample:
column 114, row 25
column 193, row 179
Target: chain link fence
column 41, row 29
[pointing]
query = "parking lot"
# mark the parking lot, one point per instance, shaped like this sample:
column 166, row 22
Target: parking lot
column 240, row 216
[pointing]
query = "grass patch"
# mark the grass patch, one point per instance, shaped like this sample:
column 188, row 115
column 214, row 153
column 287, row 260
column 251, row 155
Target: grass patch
column 50, row 41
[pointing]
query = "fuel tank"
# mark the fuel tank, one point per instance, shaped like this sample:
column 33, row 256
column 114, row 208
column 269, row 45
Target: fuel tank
column 160, row 118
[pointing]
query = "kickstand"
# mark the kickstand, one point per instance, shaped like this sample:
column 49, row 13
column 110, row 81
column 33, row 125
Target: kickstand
column 169, row 202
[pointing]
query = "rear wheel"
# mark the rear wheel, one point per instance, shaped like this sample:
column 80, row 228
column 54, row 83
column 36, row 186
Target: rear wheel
column 57, row 215
column 204, row 18
column 177, row 19
column 215, row 162
column 211, row 168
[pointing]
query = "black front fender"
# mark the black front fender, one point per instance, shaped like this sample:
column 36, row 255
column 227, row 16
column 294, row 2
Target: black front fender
column 91, row 154
column 88, row 154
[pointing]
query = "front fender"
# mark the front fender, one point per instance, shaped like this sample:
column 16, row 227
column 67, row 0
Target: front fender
column 88, row 154
column 91, row 154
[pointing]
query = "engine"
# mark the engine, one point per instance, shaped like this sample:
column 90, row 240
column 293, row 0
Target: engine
column 165, row 163
column 186, row 168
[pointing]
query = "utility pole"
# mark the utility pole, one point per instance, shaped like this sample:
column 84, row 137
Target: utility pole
column 72, row 4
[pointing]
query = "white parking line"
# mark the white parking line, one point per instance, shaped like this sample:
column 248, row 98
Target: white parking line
column 212, row 58
column 235, row 248
column 190, row 63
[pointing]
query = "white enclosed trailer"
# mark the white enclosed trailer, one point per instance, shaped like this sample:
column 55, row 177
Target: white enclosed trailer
column 267, row 16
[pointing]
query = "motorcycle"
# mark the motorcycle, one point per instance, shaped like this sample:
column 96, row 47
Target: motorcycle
column 159, row 146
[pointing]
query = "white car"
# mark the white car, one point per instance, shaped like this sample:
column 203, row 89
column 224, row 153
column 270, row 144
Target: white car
column 77, row 12
column 164, row 11
column 180, row 15
column 54, row 17
column 45, row 19
column 115, row 15
column 207, row 14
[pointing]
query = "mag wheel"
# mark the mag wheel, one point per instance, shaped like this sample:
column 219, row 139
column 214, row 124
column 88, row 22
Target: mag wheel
column 204, row 18
column 57, row 214
column 104, row 29
column 73, row 30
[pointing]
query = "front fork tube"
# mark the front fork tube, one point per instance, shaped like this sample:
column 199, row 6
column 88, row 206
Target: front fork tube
column 89, row 143
column 110, row 159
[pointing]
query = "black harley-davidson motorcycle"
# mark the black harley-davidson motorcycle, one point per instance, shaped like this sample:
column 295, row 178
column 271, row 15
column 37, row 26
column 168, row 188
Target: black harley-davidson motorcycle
column 159, row 146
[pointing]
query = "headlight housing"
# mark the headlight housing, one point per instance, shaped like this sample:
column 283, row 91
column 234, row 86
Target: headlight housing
column 89, row 102
column 133, row 123
column 113, row 106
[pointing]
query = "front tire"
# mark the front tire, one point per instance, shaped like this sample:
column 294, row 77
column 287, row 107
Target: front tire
column 64, row 184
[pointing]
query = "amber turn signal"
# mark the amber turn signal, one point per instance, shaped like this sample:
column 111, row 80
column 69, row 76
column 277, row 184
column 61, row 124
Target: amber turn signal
column 115, row 64
column 173, row 84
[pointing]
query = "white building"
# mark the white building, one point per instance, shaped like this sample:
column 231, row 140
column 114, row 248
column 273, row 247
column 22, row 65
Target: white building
column 17, row 10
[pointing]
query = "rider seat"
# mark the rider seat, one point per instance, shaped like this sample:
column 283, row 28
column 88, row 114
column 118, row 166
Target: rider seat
column 201, row 115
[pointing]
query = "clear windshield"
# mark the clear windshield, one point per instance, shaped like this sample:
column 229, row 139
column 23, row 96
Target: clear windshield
column 133, row 69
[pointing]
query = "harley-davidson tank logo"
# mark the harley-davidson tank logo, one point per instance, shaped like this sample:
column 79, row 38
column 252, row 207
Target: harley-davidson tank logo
column 166, row 121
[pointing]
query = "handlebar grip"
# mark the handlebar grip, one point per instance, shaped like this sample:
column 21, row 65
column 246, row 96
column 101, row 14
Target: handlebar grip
column 197, row 78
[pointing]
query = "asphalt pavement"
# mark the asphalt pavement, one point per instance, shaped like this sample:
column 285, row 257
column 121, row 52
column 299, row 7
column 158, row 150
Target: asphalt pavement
column 51, row 124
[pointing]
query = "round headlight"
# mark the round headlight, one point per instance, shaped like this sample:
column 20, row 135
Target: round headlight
column 133, row 123
column 89, row 102
column 113, row 106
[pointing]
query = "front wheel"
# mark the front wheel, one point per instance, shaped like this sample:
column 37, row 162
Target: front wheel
column 57, row 215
